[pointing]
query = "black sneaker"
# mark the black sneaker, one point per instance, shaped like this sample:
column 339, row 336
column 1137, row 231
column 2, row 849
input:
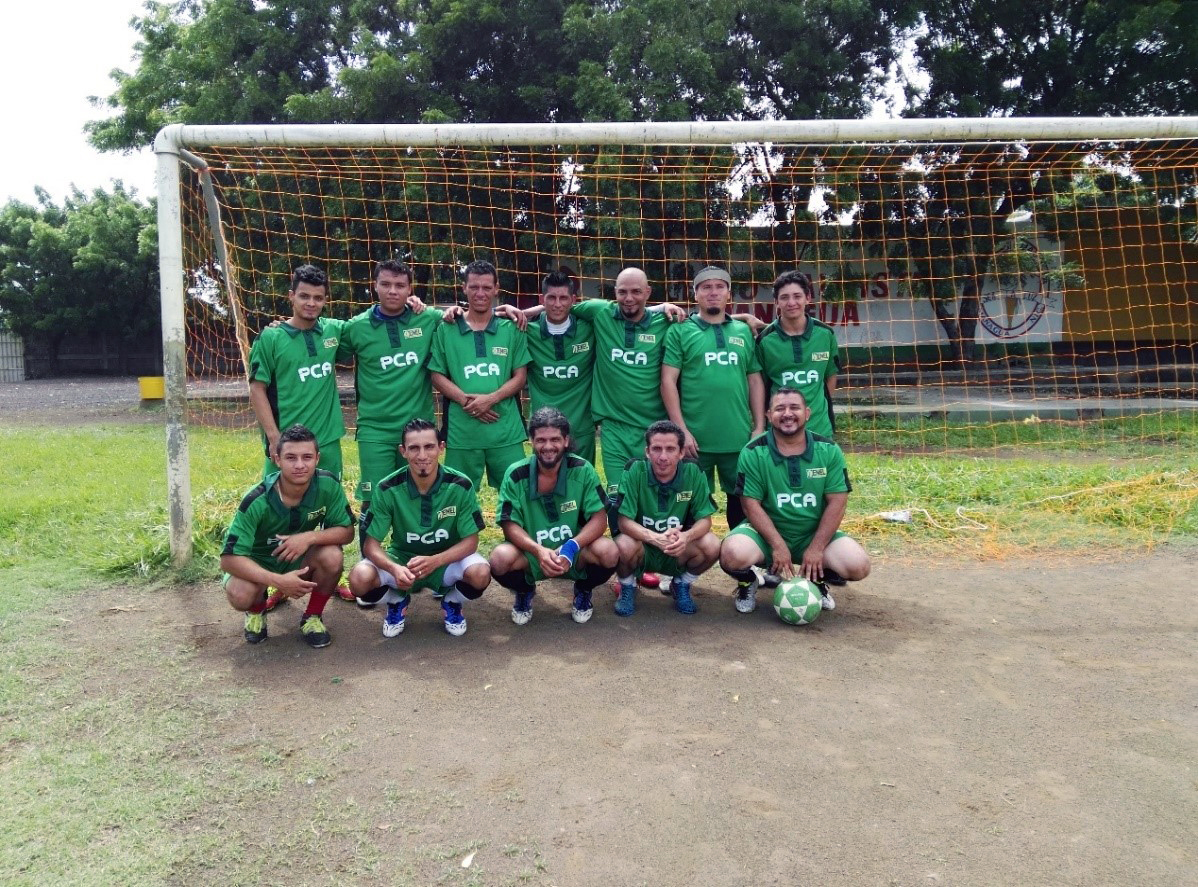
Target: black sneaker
column 255, row 628
column 314, row 633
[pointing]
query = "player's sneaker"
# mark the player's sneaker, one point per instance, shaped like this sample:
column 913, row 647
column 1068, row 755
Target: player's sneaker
column 344, row 593
column 626, row 602
column 397, row 612
column 825, row 598
column 273, row 599
column 255, row 628
column 522, row 608
column 314, row 633
column 683, row 602
column 767, row 579
column 746, row 597
column 651, row 580
column 583, row 608
column 455, row 622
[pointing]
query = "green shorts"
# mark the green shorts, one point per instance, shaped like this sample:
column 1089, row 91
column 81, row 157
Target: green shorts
column 796, row 549
column 725, row 464
column 621, row 442
column 657, row 561
column 377, row 459
column 330, row 461
column 267, row 563
column 584, row 445
column 496, row 461
column 534, row 574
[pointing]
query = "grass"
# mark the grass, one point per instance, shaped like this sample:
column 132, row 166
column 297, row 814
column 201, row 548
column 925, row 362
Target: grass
column 107, row 786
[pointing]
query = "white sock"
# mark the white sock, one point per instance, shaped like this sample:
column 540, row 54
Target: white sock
column 688, row 578
column 628, row 580
column 455, row 597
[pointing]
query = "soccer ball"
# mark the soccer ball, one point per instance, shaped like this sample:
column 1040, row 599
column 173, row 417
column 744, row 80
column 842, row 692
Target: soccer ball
column 796, row 601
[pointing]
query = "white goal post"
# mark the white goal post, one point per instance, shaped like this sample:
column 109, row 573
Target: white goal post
column 174, row 143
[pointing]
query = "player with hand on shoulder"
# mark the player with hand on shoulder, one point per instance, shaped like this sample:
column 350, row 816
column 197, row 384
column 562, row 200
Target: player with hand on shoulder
column 432, row 517
column 288, row 533
column 552, row 512
column 794, row 489
column 665, row 509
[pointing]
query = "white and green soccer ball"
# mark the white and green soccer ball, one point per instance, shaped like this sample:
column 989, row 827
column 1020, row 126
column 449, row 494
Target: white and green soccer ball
column 797, row 602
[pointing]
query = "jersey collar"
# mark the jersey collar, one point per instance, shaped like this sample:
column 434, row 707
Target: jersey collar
column 806, row 455
column 643, row 323
column 414, row 491
column 490, row 329
column 703, row 324
column 806, row 334
column 571, row 328
column 377, row 317
column 663, row 485
column 280, row 507
column 292, row 331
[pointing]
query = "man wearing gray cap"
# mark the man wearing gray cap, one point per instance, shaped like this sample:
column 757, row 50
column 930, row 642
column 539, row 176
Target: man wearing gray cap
column 711, row 384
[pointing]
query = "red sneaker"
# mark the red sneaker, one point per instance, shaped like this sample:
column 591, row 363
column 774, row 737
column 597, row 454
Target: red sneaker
column 273, row 600
column 344, row 593
column 650, row 580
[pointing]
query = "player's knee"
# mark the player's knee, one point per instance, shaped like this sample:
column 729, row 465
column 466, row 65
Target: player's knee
column 709, row 547
column 604, row 552
column 242, row 595
column 630, row 550
column 503, row 556
column 477, row 577
column 327, row 558
column 738, row 553
column 363, row 577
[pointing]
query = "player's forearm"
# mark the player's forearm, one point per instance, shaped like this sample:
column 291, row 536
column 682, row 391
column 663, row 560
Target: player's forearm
column 592, row 529
column 247, row 568
column 760, row 521
column 512, row 386
column 374, row 552
column 669, row 395
column 332, row 536
column 830, row 385
column 534, row 312
column 444, row 385
column 633, row 530
column 700, row 529
column 755, row 323
column 835, row 505
column 260, row 404
column 518, row 536
column 757, row 401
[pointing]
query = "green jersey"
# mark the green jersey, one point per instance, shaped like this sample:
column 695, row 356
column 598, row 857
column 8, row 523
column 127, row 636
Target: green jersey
column 681, row 502
column 550, row 518
column 627, row 384
column 422, row 523
column 262, row 517
column 391, row 370
column 714, row 363
column 802, row 362
column 479, row 363
column 560, row 375
column 298, row 369
column 792, row 489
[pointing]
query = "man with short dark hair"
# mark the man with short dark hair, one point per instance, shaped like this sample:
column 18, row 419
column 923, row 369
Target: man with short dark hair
column 562, row 348
column 711, row 384
column 480, row 364
column 431, row 515
column 665, row 509
column 551, row 510
column 288, row 533
column 794, row 489
column 292, row 373
column 798, row 351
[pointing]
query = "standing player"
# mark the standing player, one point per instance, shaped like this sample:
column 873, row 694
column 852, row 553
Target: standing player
column 432, row 517
column 546, row 501
column 480, row 364
column 665, row 510
column 390, row 343
column 288, row 533
column 711, row 384
column 800, row 352
column 561, row 346
column 292, row 377
column 794, row 489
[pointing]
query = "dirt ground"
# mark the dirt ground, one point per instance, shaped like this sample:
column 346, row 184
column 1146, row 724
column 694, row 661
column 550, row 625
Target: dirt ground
column 960, row 723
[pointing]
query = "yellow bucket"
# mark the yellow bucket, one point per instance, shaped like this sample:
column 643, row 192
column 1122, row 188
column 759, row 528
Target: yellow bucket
column 152, row 387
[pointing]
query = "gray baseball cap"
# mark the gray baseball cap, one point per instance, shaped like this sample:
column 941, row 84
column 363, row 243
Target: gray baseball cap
column 711, row 272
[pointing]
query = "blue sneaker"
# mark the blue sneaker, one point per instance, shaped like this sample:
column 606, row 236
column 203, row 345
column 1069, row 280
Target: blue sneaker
column 583, row 609
column 626, row 602
column 397, row 612
column 522, row 609
column 455, row 622
column 683, row 602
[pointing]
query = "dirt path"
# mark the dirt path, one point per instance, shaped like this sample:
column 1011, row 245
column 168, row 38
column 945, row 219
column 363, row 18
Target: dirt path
column 961, row 724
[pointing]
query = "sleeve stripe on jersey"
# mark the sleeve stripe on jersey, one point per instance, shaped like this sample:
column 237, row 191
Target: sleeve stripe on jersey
column 230, row 545
column 479, row 522
column 249, row 498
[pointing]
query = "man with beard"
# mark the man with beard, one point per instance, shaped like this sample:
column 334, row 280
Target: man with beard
column 794, row 489
column 711, row 384
column 432, row 517
column 798, row 351
column 288, row 533
column 551, row 510
column 665, row 509
column 480, row 364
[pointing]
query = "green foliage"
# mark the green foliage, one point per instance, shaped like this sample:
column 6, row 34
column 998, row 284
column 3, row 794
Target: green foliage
column 88, row 266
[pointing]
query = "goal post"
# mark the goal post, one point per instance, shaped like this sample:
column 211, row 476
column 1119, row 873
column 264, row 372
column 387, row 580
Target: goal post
column 950, row 247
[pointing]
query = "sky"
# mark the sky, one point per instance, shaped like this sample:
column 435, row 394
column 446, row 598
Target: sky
column 56, row 54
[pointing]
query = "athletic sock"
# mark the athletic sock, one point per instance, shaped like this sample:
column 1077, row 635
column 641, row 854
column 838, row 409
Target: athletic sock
column 740, row 575
column 259, row 607
column 316, row 602
column 454, row 596
column 594, row 576
column 466, row 590
column 688, row 578
column 374, row 595
column 515, row 581
column 630, row 579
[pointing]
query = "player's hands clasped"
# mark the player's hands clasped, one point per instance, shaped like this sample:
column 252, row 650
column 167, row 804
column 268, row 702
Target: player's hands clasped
column 552, row 563
column 404, row 578
column 421, row 566
column 480, row 406
column 673, row 542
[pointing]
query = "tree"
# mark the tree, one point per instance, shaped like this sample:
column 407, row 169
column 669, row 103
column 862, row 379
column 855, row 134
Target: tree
column 89, row 266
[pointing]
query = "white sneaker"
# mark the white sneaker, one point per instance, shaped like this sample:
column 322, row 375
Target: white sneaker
column 825, row 599
column 394, row 621
column 746, row 597
column 522, row 611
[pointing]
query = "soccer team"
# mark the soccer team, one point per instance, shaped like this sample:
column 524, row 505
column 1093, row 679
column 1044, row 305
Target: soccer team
column 679, row 400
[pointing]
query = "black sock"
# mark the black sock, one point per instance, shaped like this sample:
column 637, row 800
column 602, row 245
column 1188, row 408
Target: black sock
column 740, row 575
column 515, row 581
column 595, row 576
column 833, row 578
column 469, row 592
column 374, row 595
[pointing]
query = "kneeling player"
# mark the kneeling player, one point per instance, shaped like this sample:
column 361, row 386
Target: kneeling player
column 552, row 498
column 288, row 533
column 432, row 516
column 794, row 489
column 665, row 509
